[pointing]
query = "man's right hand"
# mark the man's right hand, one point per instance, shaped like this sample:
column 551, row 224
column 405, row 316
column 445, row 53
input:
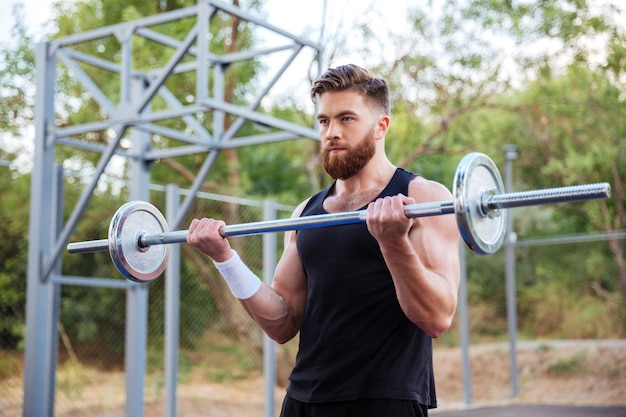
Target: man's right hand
column 204, row 235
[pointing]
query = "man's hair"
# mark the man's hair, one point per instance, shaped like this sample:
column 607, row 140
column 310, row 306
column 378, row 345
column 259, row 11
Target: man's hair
column 353, row 78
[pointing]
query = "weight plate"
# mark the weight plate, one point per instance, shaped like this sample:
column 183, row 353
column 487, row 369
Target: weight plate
column 476, row 176
column 131, row 220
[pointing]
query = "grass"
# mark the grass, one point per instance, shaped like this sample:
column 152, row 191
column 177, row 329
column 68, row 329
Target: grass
column 10, row 364
column 568, row 366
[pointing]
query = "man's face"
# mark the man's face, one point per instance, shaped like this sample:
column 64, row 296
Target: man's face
column 347, row 133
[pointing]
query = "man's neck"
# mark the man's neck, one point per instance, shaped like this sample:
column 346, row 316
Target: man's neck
column 374, row 175
column 357, row 191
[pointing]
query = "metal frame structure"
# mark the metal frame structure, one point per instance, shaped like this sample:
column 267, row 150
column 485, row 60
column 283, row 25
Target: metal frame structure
column 132, row 120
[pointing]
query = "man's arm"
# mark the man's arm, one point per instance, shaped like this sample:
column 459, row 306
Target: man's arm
column 422, row 255
column 277, row 309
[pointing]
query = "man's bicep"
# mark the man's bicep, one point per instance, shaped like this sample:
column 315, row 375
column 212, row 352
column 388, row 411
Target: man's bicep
column 290, row 281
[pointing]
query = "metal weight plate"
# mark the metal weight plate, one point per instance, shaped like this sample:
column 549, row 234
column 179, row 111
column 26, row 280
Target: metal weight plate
column 476, row 176
column 131, row 220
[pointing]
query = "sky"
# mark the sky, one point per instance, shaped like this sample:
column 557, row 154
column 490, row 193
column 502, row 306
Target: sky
column 297, row 17
column 302, row 18
column 37, row 13
column 290, row 15
column 293, row 16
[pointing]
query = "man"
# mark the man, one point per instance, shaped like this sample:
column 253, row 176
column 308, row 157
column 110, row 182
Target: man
column 366, row 298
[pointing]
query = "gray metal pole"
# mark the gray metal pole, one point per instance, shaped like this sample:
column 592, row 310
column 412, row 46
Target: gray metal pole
column 136, row 296
column 172, row 308
column 464, row 326
column 510, row 154
column 269, row 347
column 40, row 291
column 55, row 303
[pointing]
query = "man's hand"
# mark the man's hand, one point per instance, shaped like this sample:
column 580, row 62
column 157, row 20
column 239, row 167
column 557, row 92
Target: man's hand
column 204, row 235
column 386, row 218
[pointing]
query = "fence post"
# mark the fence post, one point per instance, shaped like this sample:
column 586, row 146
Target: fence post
column 510, row 154
column 172, row 308
column 464, row 326
column 269, row 348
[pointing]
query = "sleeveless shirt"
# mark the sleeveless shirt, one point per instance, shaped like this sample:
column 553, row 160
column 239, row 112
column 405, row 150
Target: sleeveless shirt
column 355, row 340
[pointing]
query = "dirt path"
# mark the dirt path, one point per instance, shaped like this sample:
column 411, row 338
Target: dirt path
column 590, row 373
column 551, row 372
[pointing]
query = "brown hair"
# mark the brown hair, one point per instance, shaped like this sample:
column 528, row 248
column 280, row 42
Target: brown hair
column 353, row 78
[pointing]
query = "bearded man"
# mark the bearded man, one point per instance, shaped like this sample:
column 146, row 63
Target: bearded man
column 366, row 298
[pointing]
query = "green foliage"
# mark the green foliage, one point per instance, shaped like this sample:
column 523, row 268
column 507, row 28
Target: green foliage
column 14, row 190
column 530, row 76
column 576, row 138
column 283, row 170
column 564, row 308
column 278, row 171
column 569, row 366
column 458, row 91
column 197, row 308
column 10, row 364
column 234, row 361
column 17, row 77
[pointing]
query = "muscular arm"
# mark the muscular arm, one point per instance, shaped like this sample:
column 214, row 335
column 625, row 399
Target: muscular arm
column 277, row 309
column 421, row 254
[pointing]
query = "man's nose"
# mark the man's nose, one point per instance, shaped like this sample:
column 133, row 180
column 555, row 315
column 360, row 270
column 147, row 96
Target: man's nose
column 332, row 131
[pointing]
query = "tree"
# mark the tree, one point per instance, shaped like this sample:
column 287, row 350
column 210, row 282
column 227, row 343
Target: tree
column 548, row 76
column 76, row 105
column 574, row 119
column 229, row 35
column 17, row 78
column 13, row 254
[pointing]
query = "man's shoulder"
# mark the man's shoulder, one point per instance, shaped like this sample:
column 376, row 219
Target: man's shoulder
column 426, row 190
column 300, row 208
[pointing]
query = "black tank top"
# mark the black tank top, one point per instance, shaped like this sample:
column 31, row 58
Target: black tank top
column 355, row 341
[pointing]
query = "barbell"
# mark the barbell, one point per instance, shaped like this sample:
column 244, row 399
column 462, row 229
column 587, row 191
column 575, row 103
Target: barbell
column 138, row 233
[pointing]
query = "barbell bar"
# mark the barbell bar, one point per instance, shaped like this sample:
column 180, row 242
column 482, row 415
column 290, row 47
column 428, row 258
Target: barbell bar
column 138, row 233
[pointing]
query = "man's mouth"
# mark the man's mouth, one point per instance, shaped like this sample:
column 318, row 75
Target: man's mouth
column 335, row 149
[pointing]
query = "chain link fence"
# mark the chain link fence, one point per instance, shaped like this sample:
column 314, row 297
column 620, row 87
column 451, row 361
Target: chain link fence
column 220, row 361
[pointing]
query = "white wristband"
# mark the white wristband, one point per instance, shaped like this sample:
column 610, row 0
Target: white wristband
column 241, row 280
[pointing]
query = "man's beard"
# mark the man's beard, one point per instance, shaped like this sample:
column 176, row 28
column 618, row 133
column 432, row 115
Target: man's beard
column 350, row 162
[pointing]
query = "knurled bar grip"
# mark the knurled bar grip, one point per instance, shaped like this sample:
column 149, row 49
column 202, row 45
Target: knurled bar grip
column 89, row 246
column 488, row 202
column 550, row 196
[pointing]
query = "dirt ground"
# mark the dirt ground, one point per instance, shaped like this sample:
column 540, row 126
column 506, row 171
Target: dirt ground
column 591, row 373
column 553, row 372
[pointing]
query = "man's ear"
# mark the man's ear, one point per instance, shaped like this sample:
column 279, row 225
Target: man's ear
column 382, row 126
